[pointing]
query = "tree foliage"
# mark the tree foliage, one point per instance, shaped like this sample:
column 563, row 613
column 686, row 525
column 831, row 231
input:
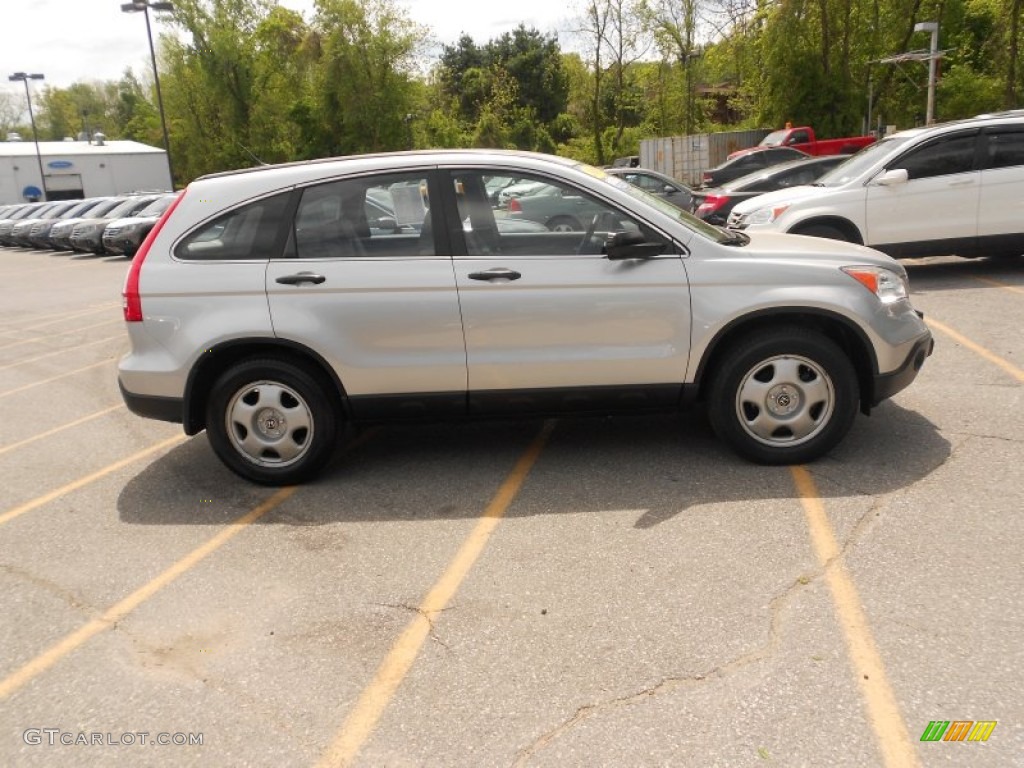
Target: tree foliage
column 249, row 81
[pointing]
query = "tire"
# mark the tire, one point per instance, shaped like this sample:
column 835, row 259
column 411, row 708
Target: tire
column 784, row 396
column 823, row 230
column 564, row 224
column 271, row 422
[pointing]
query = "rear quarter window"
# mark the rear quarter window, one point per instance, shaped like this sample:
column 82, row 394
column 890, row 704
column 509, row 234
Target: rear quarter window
column 251, row 232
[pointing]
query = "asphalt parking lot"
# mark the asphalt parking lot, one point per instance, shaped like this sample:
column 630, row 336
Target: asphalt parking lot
column 620, row 592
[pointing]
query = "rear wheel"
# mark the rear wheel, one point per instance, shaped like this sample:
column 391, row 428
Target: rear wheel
column 271, row 422
column 784, row 396
column 823, row 230
column 564, row 224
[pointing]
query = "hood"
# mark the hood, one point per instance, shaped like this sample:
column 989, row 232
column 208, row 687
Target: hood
column 780, row 246
column 781, row 197
column 131, row 221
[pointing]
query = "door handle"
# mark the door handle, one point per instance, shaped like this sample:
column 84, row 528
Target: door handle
column 301, row 277
column 496, row 273
column 961, row 182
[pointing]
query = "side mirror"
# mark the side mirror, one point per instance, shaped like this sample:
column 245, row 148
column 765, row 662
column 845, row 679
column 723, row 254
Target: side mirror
column 895, row 176
column 667, row 190
column 384, row 222
column 630, row 245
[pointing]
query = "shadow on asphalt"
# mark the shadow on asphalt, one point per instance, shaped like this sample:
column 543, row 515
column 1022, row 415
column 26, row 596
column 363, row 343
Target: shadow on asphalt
column 659, row 466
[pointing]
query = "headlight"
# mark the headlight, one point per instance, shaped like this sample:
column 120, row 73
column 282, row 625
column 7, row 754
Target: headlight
column 763, row 216
column 887, row 285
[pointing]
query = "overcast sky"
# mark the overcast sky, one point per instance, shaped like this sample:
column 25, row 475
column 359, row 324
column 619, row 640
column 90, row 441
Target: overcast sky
column 73, row 40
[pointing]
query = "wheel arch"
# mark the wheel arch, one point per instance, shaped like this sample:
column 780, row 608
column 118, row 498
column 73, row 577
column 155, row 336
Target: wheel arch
column 221, row 357
column 844, row 225
column 844, row 332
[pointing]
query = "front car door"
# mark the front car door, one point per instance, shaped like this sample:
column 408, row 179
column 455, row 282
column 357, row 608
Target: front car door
column 936, row 210
column 367, row 282
column 551, row 324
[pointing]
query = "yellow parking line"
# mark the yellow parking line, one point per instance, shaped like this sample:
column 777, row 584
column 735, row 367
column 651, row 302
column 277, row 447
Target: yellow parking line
column 81, row 482
column 1006, row 365
column 27, row 360
column 69, row 315
column 37, row 339
column 997, row 284
column 117, row 612
column 6, row 448
column 22, row 388
column 375, row 698
column 883, row 712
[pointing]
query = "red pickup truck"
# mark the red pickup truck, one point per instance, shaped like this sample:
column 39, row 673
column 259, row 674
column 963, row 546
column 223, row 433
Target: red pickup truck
column 803, row 138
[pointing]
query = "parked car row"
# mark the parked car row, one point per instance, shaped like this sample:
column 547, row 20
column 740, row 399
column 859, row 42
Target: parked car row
column 104, row 225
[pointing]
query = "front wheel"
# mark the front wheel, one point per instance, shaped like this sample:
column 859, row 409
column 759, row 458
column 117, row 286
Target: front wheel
column 271, row 422
column 785, row 396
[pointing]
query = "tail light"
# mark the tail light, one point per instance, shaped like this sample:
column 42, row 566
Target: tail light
column 131, row 301
column 514, row 206
column 711, row 204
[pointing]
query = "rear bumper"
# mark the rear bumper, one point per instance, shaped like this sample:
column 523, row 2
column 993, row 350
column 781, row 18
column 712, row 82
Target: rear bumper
column 888, row 384
column 170, row 409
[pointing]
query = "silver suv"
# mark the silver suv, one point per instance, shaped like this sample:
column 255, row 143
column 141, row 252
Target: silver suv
column 273, row 305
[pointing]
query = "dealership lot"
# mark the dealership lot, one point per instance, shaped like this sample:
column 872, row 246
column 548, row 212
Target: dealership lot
column 595, row 592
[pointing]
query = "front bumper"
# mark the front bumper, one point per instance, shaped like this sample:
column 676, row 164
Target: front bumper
column 885, row 385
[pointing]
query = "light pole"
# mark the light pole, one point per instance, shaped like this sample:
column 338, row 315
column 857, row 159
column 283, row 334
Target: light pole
column 144, row 6
column 933, row 55
column 24, row 78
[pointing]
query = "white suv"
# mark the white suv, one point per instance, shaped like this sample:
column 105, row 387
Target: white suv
column 273, row 305
column 954, row 188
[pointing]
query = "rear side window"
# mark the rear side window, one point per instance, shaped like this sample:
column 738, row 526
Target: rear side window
column 251, row 232
column 1005, row 149
column 365, row 216
column 945, row 156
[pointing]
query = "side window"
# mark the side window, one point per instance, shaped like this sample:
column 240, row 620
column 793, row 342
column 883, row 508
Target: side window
column 940, row 158
column 554, row 220
column 364, row 216
column 251, row 232
column 1005, row 149
column 799, row 137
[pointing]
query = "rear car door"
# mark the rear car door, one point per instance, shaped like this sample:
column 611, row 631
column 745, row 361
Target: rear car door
column 936, row 210
column 1001, row 207
column 367, row 283
column 551, row 323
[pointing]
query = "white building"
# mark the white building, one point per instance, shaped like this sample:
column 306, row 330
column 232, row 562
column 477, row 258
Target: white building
column 77, row 169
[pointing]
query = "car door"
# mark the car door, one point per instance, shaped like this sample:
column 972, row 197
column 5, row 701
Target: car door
column 378, row 304
column 551, row 323
column 1001, row 205
column 936, row 209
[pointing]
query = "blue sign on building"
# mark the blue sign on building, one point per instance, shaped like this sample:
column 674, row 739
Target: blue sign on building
column 55, row 164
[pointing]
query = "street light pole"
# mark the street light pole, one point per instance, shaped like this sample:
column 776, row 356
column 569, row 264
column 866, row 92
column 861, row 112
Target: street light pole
column 24, row 77
column 933, row 27
column 144, row 6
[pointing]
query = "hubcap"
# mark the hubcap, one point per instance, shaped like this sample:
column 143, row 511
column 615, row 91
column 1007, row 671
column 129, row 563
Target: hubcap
column 269, row 424
column 785, row 400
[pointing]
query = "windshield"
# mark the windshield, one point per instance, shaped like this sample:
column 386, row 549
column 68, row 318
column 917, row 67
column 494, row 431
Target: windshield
column 773, row 139
column 860, row 163
column 687, row 219
column 157, row 207
column 127, row 208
